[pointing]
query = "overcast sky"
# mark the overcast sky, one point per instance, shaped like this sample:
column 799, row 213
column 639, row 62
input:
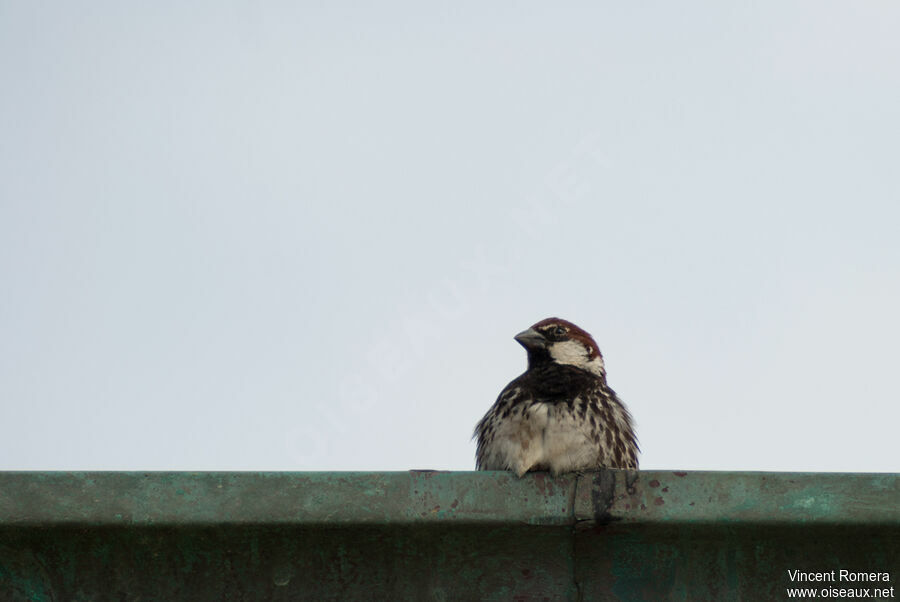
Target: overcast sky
column 301, row 236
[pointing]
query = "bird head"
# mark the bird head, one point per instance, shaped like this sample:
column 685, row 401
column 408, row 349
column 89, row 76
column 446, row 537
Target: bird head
column 560, row 341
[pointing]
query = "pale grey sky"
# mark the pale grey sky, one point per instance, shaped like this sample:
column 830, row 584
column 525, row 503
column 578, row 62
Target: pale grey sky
column 301, row 236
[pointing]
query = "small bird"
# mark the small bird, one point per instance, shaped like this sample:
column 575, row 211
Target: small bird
column 559, row 415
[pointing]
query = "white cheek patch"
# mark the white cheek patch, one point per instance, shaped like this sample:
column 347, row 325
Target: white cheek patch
column 573, row 353
column 569, row 352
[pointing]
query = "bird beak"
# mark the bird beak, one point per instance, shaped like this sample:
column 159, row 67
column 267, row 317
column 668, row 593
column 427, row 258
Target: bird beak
column 531, row 338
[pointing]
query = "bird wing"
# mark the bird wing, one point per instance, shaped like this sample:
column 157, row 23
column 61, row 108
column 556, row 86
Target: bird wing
column 502, row 423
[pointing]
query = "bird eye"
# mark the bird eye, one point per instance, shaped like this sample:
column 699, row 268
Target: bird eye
column 559, row 331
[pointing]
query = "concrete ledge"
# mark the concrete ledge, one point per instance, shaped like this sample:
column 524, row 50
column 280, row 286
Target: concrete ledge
column 424, row 535
column 741, row 497
column 321, row 498
column 310, row 498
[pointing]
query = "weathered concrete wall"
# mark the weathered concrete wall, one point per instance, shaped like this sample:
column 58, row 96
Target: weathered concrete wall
column 440, row 535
